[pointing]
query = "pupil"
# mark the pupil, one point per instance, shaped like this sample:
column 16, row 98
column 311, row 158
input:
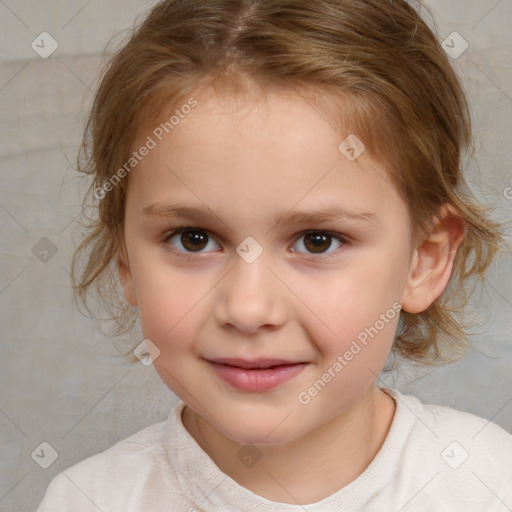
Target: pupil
column 318, row 240
column 193, row 240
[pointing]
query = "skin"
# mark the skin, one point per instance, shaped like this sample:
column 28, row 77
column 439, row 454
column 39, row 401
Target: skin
column 250, row 159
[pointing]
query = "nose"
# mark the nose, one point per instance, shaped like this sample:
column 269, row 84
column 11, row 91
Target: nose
column 251, row 297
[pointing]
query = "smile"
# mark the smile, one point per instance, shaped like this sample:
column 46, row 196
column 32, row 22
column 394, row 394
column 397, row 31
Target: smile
column 256, row 376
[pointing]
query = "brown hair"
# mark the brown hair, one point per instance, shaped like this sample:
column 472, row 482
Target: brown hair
column 375, row 58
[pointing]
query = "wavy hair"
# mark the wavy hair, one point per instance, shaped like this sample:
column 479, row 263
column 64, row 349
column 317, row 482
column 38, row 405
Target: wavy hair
column 374, row 66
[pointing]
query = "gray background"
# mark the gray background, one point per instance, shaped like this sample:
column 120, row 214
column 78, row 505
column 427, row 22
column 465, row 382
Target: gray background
column 61, row 381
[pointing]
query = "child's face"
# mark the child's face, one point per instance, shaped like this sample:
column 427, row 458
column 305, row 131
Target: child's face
column 304, row 299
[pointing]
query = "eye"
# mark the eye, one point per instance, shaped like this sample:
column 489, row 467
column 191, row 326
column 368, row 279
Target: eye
column 318, row 242
column 188, row 240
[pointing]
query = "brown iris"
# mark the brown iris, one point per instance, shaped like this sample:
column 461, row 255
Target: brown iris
column 194, row 240
column 317, row 242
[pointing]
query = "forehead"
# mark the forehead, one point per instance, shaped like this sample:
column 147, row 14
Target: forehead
column 256, row 151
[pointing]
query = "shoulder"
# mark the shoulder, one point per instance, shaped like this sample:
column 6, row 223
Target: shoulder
column 466, row 455
column 442, row 420
column 119, row 458
column 445, row 422
column 128, row 468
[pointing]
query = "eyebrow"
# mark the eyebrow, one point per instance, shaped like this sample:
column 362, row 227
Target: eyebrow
column 331, row 213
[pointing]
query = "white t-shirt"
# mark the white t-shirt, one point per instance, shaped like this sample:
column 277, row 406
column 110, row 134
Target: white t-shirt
column 434, row 459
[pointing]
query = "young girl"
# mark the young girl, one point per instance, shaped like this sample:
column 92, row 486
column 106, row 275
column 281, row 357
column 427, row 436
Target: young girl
column 280, row 193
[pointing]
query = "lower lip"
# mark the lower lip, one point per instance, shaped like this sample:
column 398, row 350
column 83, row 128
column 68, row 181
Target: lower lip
column 257, row 380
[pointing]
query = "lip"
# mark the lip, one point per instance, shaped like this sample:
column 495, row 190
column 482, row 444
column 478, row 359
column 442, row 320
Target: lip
column 253, row 364
column 256, row 375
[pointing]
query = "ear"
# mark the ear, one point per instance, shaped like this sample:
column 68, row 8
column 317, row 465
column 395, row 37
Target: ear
column 432, row 262
column 126, row 277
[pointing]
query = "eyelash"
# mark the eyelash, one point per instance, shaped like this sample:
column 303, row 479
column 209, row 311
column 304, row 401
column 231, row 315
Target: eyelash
column 189, row 255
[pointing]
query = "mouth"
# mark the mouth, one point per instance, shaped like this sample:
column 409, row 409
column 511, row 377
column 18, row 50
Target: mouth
column 257, row 364
column 256, row 375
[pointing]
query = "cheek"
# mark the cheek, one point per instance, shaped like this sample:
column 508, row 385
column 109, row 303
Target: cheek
column 168, row 302
column 357, row 313
column 170, row 314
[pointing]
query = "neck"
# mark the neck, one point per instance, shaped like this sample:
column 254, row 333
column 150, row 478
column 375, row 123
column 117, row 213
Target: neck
column 308, row 469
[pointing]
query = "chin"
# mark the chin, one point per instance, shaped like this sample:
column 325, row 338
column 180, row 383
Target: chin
column 251, row 429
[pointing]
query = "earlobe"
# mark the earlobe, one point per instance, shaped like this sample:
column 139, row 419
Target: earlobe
column 432, row 262
column 126, row 278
